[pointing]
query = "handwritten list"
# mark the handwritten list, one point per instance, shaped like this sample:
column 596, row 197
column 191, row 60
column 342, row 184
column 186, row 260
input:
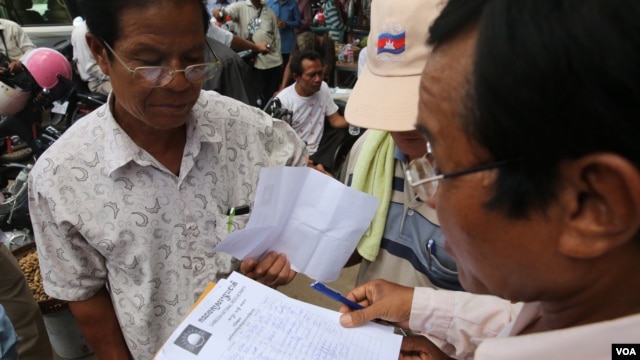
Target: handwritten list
column 248, row 320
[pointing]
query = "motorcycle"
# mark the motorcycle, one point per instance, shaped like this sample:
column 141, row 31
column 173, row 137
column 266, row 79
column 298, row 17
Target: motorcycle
column 31, row 122
column 60, row 98
column 46, row 78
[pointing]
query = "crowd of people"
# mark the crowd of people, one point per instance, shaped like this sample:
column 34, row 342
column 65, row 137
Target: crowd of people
column 499, row 139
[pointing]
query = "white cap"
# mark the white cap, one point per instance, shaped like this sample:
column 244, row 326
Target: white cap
column 385, row 96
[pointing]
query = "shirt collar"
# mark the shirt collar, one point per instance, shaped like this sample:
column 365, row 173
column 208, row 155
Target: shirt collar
column 127, row 150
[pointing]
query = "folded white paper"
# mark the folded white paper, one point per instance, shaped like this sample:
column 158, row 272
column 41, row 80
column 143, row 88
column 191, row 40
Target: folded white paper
column 312, row 218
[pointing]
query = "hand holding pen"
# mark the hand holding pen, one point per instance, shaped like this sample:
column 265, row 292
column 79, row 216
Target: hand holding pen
column 380, row 300
column 389, row 303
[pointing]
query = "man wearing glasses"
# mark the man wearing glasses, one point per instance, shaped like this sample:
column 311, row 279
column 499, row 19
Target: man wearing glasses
column 130, row 202
column 531, row 111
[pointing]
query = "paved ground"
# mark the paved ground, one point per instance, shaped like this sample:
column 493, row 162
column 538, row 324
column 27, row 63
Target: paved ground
column 299, row 289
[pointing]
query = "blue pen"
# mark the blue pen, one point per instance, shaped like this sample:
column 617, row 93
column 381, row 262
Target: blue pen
column 335, row 295
column 352, row 305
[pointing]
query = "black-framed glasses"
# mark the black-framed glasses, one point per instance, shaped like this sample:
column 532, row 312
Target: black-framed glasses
column 423, row 176
column 159, row 76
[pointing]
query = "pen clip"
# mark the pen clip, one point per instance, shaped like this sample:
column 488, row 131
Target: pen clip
column 232, row 213
column 430, row 252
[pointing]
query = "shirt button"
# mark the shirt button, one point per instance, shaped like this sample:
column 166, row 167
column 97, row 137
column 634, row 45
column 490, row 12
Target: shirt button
column 428, row 326
column 410, row 212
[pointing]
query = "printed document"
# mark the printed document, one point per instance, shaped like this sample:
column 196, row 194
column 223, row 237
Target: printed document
column 241, row 319
column 312, row 218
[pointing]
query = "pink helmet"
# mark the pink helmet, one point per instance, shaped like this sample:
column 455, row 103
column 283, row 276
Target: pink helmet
column 45, row 64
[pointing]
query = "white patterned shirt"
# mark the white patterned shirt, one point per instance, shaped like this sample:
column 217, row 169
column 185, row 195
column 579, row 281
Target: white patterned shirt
column 106, row 212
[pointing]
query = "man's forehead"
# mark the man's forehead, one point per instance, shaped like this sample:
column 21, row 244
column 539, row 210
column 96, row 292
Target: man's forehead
column 308, row 64
column 444, row 82
column 453, row 55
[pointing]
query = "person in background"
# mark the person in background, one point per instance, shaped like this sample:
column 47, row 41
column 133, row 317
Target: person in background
column 404, row 243
column 235, row 42
column 22, row 309
column 86, row 65
column 235, row 77
column 306, row 16
column 128, row 204
column 310, row 101
column 217, row 4
column 334, row 21
column 320, row 43
column 537, row 187
column 15, row 44
column 288, row 18
column 257, row 23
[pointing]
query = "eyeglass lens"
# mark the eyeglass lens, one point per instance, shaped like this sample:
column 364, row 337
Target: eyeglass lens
column 161, row 76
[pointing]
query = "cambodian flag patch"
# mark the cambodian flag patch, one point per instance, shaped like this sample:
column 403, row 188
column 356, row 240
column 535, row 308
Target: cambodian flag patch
column 391, row 43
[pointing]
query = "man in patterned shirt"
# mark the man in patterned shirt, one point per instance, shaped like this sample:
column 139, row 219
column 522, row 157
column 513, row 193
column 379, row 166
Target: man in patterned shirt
column 129, row 203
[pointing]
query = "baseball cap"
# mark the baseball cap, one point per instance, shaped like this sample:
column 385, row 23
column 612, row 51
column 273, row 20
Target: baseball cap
column 385, row 97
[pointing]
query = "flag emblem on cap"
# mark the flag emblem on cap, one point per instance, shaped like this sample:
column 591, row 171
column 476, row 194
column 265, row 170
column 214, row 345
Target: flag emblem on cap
column 391, row 43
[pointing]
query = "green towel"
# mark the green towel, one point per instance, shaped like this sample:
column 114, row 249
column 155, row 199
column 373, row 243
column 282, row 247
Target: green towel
column 373, row 174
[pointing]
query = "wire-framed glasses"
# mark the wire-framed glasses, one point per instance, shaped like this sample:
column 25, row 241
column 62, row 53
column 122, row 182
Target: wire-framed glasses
column 159, row 76
column 423, row 176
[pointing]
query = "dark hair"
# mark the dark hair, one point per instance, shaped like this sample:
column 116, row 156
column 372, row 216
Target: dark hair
column 102, row 16
column 552, row 80
column 296, row 60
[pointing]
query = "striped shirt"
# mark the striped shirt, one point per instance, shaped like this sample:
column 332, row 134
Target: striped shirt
column 412, row 247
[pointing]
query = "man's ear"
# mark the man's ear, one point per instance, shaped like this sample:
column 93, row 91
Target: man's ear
column 601, row 196
column 99, row 52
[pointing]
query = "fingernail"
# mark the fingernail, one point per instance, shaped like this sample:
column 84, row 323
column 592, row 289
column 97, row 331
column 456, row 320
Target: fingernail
column 345, row 320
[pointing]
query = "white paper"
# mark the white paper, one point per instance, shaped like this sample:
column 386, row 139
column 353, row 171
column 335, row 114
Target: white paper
column 242, row 319
column 60, row 108
column 312, row 218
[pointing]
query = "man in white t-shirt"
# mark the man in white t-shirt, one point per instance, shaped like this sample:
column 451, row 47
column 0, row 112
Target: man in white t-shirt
column 309, row 98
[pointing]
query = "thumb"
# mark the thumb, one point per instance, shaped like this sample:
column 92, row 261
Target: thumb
column 354, row 318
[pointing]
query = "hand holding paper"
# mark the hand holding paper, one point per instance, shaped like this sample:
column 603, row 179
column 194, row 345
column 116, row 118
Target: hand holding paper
column 312, row 218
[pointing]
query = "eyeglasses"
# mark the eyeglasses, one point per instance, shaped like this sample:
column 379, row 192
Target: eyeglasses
column 159, row 76
column 423, row 176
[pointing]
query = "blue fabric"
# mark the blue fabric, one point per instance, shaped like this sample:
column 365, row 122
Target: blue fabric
column 8, row 338
column 289, row 13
